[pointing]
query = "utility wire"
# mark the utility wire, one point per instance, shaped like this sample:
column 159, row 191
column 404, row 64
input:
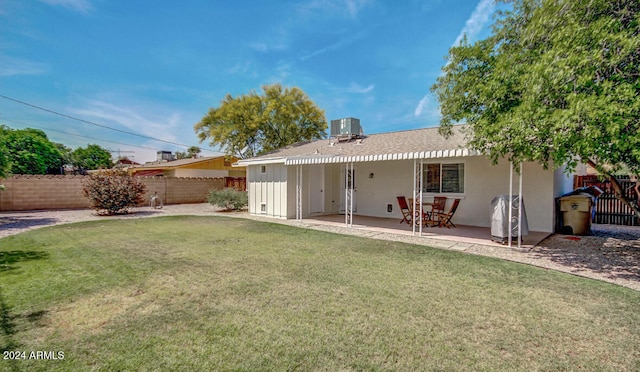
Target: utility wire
column 92, row 123
column 78, row 135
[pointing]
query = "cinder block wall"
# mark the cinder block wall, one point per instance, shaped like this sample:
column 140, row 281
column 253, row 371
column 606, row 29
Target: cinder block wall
column 32, row 192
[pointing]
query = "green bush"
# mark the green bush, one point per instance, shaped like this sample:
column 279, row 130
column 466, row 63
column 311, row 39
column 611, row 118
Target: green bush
column 228, row 198
column 113, row 191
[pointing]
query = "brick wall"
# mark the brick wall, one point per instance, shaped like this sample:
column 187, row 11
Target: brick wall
column 31, row 192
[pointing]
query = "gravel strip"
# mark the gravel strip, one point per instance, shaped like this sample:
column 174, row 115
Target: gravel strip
column 611, row 254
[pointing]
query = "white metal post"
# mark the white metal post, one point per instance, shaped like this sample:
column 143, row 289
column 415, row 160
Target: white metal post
column 351, row 198
column 346, row 194
column 299, row 193
column 413, row 207
column 419, row 196
column 520, row 209
column 510, row 235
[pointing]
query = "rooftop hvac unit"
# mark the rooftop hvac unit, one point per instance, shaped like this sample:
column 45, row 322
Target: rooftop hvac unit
column 346, row 128
column 164, row 156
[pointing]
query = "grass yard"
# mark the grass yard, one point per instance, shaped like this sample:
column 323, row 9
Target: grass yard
column 209, row 293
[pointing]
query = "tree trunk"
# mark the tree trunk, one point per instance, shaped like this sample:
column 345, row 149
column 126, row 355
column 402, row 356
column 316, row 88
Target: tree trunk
column 617, row 188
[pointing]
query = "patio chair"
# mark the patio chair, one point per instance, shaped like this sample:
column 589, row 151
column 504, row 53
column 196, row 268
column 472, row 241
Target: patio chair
column 437, row 208
column 445, row 218
column 404, row 208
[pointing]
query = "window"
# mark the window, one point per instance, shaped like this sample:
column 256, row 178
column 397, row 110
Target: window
column 263, row 169
column 443, row 178
column 263, row 207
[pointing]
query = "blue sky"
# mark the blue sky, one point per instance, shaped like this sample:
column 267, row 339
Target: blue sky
column 156, row 67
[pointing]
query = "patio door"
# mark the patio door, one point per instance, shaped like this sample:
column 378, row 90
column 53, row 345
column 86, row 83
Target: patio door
column 347, row 181
column 316, row 189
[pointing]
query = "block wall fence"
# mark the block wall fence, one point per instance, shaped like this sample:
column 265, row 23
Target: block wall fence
column 33, row 192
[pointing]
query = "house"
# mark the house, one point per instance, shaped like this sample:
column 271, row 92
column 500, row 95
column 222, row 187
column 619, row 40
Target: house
column 215, row 166
column 362, row 175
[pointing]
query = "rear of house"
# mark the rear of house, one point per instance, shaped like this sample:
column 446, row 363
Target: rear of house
column 365, row 174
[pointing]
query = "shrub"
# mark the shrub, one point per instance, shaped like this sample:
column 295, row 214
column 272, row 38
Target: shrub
column 228, row 198
column 113, row 191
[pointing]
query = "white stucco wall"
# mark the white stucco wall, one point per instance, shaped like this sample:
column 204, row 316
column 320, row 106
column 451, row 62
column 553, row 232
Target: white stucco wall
column 389, row 179
column 269, row 188
column 483, row 181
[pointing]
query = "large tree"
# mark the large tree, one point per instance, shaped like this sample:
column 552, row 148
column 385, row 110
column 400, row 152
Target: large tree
column 30, row 152
column 191, row 152
column 557, row 82
column 91, row 157
column 253, row 124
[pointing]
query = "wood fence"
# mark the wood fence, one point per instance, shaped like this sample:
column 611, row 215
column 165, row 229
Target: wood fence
column 610, row 210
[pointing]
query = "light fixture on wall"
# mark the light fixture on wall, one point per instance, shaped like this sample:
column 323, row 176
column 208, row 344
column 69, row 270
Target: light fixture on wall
column 370, row 175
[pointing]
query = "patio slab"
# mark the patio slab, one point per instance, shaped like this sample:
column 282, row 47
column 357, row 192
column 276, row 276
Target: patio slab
column 459, row 238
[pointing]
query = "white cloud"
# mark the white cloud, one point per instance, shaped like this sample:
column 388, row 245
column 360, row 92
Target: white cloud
column 16, row 66
column 356, row 88
column 350, row 8
column 82, row 6
column 337, row 45
column 427, row 108
column 478, row 20
column 423, row 102
column 136, row 120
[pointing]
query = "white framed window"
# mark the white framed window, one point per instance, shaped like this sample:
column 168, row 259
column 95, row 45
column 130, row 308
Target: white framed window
column 263, row 207
column 443, row 178
column 263, row 169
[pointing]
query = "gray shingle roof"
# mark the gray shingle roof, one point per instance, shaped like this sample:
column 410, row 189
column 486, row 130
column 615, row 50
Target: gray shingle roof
column 410, row 144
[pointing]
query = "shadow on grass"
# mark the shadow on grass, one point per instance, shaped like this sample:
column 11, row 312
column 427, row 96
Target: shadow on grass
column 10, row 223
column 10, row 258
column 8, row 328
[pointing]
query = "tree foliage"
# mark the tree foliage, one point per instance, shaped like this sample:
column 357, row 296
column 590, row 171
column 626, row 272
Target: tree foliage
column 29, row 151
column 254, row 124
column 113, row 191
column 557, row 82
column 191, row 152
column 91, row 157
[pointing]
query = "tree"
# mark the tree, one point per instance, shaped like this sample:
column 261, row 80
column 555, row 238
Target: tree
column 30, row 152
column 191, row 152
column 91, row 157
column 4, row 155
column 253, row 124
column 556, row 82
column 113, row 191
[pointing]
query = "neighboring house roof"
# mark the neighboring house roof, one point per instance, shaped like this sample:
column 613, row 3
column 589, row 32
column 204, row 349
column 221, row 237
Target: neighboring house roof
column 176, row 163
column 424, row 143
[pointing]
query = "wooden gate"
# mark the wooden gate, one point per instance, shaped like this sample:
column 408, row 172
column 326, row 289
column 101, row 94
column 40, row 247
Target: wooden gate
column 610, row 210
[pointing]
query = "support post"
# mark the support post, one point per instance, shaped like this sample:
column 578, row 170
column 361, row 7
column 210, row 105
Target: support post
column 417, row 196
column 510, row 235
column 299, row 193
column 348, row 194
column 520, row 209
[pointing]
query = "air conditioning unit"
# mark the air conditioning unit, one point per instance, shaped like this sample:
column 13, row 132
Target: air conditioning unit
column 346, row 128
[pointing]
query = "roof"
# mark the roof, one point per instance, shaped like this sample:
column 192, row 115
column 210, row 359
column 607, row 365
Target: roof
column 424, row 143
column 177, row 163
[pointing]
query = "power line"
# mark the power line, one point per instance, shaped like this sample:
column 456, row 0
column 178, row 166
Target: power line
column 92, row 123
column 79, row 135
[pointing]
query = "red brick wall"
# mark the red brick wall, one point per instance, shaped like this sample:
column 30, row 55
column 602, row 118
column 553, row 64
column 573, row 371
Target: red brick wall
column 32, row 192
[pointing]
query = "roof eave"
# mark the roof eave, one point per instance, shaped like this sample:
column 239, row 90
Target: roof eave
column 261, row 161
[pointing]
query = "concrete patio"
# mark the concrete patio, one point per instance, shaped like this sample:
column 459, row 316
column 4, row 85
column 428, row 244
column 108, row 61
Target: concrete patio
column 462, row 236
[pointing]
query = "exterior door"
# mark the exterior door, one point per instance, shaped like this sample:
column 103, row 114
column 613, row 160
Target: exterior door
column 316, row 188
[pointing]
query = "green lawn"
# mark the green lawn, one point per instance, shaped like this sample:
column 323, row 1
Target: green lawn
column 208, row 293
